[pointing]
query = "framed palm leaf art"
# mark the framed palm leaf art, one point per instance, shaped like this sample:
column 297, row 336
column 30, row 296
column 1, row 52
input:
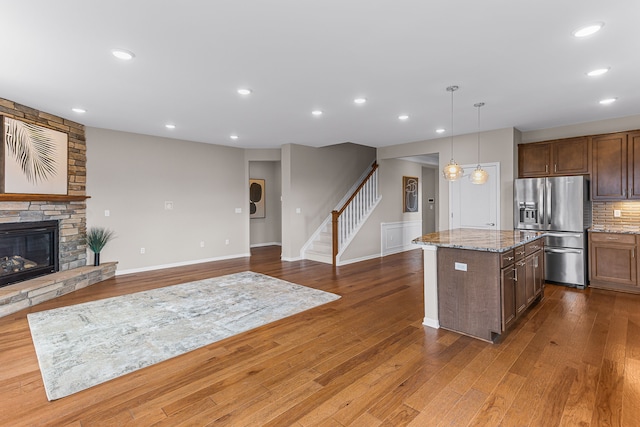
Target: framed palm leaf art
column 33, row 158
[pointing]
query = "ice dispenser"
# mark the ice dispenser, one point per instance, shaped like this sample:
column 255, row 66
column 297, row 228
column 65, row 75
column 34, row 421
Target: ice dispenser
column 528, row 213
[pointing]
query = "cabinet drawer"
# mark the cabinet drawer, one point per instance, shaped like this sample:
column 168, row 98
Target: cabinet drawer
column 519, row 252
column 506, row 258
column 629, row 239
column 532, row 247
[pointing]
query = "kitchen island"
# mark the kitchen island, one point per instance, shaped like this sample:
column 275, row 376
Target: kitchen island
column 478, row 282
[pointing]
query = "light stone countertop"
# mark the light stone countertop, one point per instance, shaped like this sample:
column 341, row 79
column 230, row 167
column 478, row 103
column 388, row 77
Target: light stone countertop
column 479, row 240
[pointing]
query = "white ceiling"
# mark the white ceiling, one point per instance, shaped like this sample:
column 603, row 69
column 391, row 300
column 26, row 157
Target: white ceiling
column 518, row 56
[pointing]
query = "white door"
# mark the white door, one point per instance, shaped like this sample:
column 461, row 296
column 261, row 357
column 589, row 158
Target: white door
column 473, row 205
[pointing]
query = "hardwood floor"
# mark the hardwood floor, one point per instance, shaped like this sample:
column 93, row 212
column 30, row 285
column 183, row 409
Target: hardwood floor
column 364, row 360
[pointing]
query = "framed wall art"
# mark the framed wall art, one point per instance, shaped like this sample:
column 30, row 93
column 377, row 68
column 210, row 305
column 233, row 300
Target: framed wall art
column 410, row 194
column 33, row 158
column 256, row 198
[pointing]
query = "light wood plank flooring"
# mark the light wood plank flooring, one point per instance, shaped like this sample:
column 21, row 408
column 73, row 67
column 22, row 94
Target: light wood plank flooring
column 364, row 360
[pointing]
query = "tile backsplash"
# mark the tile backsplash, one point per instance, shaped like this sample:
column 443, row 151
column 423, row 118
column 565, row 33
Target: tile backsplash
column 629, row 214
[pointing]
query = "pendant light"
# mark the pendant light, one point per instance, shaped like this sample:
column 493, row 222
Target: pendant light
column 452, row 171
column 479, row 175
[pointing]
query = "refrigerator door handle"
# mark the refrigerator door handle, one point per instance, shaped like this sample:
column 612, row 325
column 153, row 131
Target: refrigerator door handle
column 577, row 235
column 547, row 204
column 563, row 251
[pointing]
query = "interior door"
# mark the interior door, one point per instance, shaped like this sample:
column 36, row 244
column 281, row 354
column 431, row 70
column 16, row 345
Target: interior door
column 473, row 205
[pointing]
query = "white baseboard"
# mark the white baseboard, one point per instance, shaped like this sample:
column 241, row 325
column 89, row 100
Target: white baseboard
column 432, row 323
column 354, row 260
column 178, row 264
column 259, row 245
column 291, row 259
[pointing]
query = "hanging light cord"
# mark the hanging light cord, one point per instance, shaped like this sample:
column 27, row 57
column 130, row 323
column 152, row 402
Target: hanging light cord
column 452, row 89
column 478, row 105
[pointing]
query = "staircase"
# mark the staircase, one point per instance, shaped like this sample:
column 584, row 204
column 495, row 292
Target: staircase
column 338, row 229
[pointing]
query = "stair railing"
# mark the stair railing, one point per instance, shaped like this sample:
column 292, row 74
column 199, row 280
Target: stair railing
column 347, row 218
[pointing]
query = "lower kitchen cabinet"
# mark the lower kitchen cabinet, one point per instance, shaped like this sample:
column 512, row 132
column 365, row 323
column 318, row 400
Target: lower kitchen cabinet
column 613, row 261
column 522, row 280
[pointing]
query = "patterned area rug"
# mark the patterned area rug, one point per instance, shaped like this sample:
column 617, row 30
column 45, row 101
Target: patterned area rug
column 87, row 344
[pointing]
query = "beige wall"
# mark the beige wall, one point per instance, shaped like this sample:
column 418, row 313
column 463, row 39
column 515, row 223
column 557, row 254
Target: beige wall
column 314, row 180
column 581, row 129
column 429, row 190
column 132, row 176
column 495, row 146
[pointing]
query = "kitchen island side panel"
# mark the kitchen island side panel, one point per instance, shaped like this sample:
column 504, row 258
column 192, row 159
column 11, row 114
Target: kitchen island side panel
column 469, row 301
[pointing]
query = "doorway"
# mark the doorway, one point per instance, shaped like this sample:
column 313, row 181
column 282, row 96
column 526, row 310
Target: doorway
column 266, row 230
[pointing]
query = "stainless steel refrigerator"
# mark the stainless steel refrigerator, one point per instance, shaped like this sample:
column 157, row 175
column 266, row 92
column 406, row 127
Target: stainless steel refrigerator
column 561, row 207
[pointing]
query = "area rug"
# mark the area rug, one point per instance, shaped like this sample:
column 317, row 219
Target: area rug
column 86, row 344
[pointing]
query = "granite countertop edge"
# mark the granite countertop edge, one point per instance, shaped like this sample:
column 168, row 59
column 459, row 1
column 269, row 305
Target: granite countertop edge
column 614, row 230
column 527, row 239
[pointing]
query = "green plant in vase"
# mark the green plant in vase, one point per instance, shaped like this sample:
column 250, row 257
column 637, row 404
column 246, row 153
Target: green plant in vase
column 96, row 239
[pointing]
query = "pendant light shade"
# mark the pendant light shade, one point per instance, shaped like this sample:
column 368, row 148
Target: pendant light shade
column 452, row 171
column 479, row 175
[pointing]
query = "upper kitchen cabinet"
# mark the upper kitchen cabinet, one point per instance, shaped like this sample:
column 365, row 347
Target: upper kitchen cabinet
column 616, row 166
column 554, row 158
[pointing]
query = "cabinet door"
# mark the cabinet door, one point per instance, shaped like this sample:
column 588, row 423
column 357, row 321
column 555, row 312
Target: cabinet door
column 538, row 273
column 520, row 285
column 633, row 153
column 533, row 160
column 508, row 284
column 570, row 156
column 611, row 262
column 530, row 275
column 609, row 167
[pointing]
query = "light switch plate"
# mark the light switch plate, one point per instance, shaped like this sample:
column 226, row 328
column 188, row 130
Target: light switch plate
column 617, row 213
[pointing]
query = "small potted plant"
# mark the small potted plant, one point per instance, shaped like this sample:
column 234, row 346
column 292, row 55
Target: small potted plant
column 96, row 239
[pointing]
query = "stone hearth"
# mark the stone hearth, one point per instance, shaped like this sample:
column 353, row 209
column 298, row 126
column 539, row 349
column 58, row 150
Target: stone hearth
column 28, row 293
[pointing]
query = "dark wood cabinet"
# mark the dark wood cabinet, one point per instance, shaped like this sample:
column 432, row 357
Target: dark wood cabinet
column 613, row 261
column 561, row 157
column 522, row 279
column 570, row 156
column 508, row 284
column 533, row 160
column 616, row 166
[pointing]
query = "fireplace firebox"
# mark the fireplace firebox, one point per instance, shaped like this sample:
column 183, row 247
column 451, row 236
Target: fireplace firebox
column 28, row 250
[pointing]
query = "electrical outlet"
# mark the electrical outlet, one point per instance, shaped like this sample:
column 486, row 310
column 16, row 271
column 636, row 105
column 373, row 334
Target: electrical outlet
column 142, row 251
column 202, row 243
column 226, row 242
column 617, row 213
column 168, row 206
column 107, row 212
column 238, row 210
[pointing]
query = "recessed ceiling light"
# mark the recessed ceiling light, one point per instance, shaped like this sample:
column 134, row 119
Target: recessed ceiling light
column 360, row 100
column 588, row 30
column 234, row 136
column 608, row 101
column 78, row 110
column 123, row 54
column 598, row 72
column 440, row 130
column 403, row 117
column 317, row 112
column 244, row 91
column 170, row 126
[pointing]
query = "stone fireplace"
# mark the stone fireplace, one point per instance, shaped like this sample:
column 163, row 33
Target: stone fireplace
column 68, row 211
